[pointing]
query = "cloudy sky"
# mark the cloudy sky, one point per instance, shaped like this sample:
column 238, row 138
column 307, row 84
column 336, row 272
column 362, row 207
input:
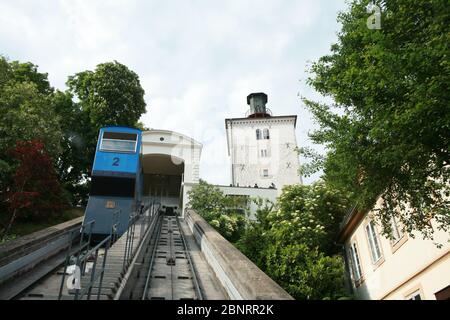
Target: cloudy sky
column 197, row 60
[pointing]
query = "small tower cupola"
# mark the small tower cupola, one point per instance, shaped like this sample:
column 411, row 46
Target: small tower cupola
column 257, row 102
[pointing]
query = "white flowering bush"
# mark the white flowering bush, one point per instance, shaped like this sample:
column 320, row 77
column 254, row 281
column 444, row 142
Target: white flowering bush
column 309, row 215
column 294, row 242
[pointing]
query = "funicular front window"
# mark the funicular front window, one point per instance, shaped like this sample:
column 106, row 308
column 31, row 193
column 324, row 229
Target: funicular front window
column 119, row 141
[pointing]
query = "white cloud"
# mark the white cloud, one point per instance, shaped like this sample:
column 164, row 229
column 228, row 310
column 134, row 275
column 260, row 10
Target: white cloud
column 197, row 60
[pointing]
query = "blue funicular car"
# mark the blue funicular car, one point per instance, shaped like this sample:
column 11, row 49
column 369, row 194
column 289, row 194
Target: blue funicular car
column 116, row 183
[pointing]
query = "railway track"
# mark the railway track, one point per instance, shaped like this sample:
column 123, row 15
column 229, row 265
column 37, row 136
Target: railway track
column 161, row 269
column 167, row 271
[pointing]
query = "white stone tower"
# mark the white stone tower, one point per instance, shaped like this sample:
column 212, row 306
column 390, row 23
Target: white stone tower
column 262, row 147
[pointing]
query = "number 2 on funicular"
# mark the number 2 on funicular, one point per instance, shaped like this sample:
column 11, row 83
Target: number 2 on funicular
column 115, row 162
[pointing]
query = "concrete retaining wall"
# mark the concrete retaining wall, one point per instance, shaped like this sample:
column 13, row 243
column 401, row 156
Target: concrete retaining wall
column 18, row 256
column 240, row 277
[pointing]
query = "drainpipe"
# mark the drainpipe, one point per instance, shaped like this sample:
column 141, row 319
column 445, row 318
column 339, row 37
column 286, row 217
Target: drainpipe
column 347, row 276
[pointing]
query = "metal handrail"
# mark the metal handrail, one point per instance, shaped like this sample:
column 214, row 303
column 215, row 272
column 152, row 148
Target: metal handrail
column 112, row 239
column 268, row 111
column 88, row 242
column 143, row 239
column 83, row 252
column 85, row 257
column 129, row 253
column 69, row 251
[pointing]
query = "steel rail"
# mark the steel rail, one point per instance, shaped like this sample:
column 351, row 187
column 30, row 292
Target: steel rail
column 188, row 255
column 193, row 271
column 152, row 259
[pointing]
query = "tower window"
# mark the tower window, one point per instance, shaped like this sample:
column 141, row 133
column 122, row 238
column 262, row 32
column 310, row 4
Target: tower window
column 266, row 134
column 263, row 153
column 265, row 173
column 258, row 134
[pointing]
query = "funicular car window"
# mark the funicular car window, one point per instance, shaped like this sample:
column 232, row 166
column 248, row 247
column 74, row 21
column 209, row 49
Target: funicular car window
column 119, row 141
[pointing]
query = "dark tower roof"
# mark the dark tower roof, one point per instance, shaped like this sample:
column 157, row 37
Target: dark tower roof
column 257, row 102
column 257, row 94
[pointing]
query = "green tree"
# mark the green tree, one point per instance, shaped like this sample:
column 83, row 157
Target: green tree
column 254, row 241
column 293, row 242
column 110, row 95
column 306, row 273
column 24, row 115
column 28, row 72
column 73, row 163
column 387, row 133
column 26, row 111
column 12, row 72
column 31, row 109
column 206, row 198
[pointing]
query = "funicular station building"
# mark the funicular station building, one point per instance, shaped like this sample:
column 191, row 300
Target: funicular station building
column 170, row 164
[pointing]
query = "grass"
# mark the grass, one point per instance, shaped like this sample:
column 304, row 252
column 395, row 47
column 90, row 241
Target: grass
column 23, row 228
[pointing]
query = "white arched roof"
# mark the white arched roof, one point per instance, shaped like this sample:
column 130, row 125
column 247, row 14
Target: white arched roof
column 177, row 146
column 176, row 136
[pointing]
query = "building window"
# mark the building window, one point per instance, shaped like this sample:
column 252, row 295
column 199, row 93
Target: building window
column 118, row 141
column 263, row 153
column 266, row 134
column 265, row 173
column 414, row 296
column 258, row 134
column 374, row 244
column 397, row 232
column 355, row 264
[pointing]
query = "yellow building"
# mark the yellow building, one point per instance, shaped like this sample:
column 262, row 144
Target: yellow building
column 401, row 268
